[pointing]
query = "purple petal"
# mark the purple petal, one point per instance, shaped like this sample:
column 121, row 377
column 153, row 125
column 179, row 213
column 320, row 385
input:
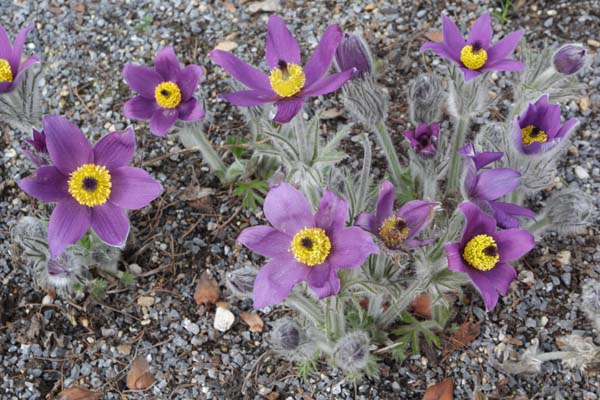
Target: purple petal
column 513, row 243
column 266, row 241
column 385, row 203
column 489, row 283
column 68, row 223
column 453, row 39
column 190, row 110
column 248, row 98
column 322, row 57
column 5, row 46
column 140, row 107
column 323, row 280
column 441, row 50
column 504, row 65
column 564, row 130
column 162, row 120
column 455, row 260
column 243, row 72
column 133, row 188
column 481, row 31
column 469, row 73
column 67, row 146
column 476, row 222
column 332, row 212
column 504, row 47
column 495, row 183
column 287, row 209
column 48, row 184
column 188, row 80
column 281, row 45
column 506, row 214
column 367, row 222
column 350, row 248
column 276, row 279
column 17, row 50
column 110, row 223
column 328, row 84
column 142, row 80
column 166, row 64
column 417, row 214
column 115, row 149
column 287, row 109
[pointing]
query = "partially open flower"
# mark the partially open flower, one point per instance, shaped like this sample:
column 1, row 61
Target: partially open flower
column 425, row 96
column 11, row 68
column 353, row 53
column 570, row 58
column 38, row 152
column 424, row 139
column 241, row 282
column 351, row 352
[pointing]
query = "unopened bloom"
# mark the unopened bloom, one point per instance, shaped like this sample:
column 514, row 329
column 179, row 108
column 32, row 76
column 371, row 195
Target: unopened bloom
column 476, row 54
column 425, row 96
column 398, row 230
column 483, row 253
column 92, row 186
column 166, row 92
column 11, row 68
column 353, row 53
column 38, row 152
column 569, row 59
column 485, row 187
column 423, row 139
column 351, row 352
column 302, row 246
column 538, row 129
column 288, row 84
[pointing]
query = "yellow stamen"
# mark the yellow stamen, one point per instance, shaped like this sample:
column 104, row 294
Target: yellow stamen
column 167, row 95
column 481, row 252
column 90, row 185
column 530, row 134
column 393, row 231
column 5, row 71
column 473, row 58
column 287, row 79
column 311, row 246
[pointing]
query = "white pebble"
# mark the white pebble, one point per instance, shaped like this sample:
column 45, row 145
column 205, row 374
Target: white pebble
column 224, row 319
column 581, row 172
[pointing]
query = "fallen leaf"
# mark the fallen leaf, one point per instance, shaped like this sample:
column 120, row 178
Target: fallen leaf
column 77, row 393
column 207, row 291
column 139, row 376
column 332, row 113
column 442, row 391
column 435, row 36
column 584, row 103
column 124, row 349
column 230, row 6
column 465, row 335
column 253, row 320
column 226, row 45
column 421, row 306
column 145, row 301
column 195, row 192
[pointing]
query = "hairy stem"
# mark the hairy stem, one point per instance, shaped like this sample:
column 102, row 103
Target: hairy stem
column 457, row 142
column 308, row 308
column 385, row 141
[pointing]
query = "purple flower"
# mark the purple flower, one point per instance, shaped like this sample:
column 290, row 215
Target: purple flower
column 92, row 186
column 486, row 187
column 302, row 246
column 39, row 153
column 483, row 253
column 11, row 68
column 398, row 231
column 288, row 84
column 166, row 92
column 538, row 129
column 570, row 58
column 423, row 140
column 352, row 52
column 476, row 54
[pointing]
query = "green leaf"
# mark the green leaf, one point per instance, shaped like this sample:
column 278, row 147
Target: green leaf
column 236, row 145
column 252, row 193
column 98, row 290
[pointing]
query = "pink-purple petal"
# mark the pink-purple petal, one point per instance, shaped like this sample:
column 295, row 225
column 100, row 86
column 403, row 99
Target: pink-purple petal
column 17, row 50
column 322, row 57
column 133, row 188
column 453, row 39
column 328, row 84
column 287, row 109
column 115, row 149
column 566, row 128
column 513, row 243
column 367, row 222
column 469, row 74
column 248, row 98
column 495, row 183
column 385, row 203
column 191, row 110
column 504, row 65
column 48, row 184
column 162, row 120
column 350, row 248
column 441, row 50
column 276, row 279
column 504, row 47
column 243, row 72
column 281, row 44
column 476, row 222
column 287, row 209
column 417, row 214
column 142, row 79
column 323, row 280
column 166, row 64
column 481, row 31
column 110, row 223
column 67, row 146
column 68, row 223
column 5, row 46
column 140, row 107
column 266, row 241
column 332, row 212
column 188, row 79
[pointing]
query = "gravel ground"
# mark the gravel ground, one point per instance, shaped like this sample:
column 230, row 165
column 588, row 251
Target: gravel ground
column 44, row 349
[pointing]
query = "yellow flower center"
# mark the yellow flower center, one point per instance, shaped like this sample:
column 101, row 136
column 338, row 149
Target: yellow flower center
column 167, row 95
column 393, row 231
column 90, row 185
column 481, row 252
column 530, row 134
column 473, row 58
column 287, row 79
column 5, row 71
column 311, row 246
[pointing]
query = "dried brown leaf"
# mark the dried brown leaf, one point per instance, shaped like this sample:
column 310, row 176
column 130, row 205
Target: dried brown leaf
column 435, row 36
column 253, row 320
column 421, row 306
column 139, row 376
column 467, row 332
column 195, row 192
column 207, row 291
column 442, row 391
column 77, row 393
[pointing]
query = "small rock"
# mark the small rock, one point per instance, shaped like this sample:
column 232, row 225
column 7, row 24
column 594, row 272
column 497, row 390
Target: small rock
column 581, row 173
column 135, row 269
column 145, row 301
column 264, row 6
column 224, row 319
column 593, row 42
column 190, row 326
column 124, row 349
column 226, row 45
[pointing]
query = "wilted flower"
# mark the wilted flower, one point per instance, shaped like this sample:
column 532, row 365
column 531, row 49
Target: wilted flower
column 288, row 84
column 353, row 54
column 303, row 246
column 11, row 68
column 425, row 96
column 486, row 187
column 92, row 185
column 538, row 129
column 166, row 92
column 424, row 139
column 476, row 55
column 590, row 301
column 351, row 352
column 39, row 153
column 570, row 58
column 241, row 282
column 400, row 229
column 483, row 253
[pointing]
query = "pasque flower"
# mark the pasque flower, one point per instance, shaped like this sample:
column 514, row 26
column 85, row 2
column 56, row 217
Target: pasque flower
column 352, row 52
column 166, row 92
column 11, row 68
column 92, row 186
column 288, row 84
column 569, row 59
column 302, row 246
column 483, row 253
column 538, row 129
column 423, row 139
column 476, row 54
column 398, row 230
column 485, row 187
column 37, row 152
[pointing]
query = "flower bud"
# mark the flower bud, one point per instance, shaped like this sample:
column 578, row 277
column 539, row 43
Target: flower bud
column 424, row 139
column 351, row 353
column 365, row 101
column 590, row 301
column 425, row 96
column 353, row 52
column 241, row 282
column 570, row 58
column 289, row 339
column 570, row 211
column 63, row 271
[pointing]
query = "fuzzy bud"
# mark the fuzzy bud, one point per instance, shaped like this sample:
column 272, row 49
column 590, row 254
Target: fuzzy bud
column 64, row 271
column 425, row 96
column 529, row 362
column 353, row 52
column 351, row 352
column 579, row 352
column 241, row 282
column 570, row 58
column 590, row 301
column 289, row 339
column 365, row 101
column 570, row 211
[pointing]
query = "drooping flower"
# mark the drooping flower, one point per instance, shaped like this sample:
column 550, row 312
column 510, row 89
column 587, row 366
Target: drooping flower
column 484, row 188
column 476, row 54
column 423, row 139
column 569, row 59
column 538, row 129
column 483, row 253
column 166, row 92
column 353, row 54
column 398, row 231
column 92, row 186
column 302, row 246
column 38, row 152
column 288, row 84
column 11, row 68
